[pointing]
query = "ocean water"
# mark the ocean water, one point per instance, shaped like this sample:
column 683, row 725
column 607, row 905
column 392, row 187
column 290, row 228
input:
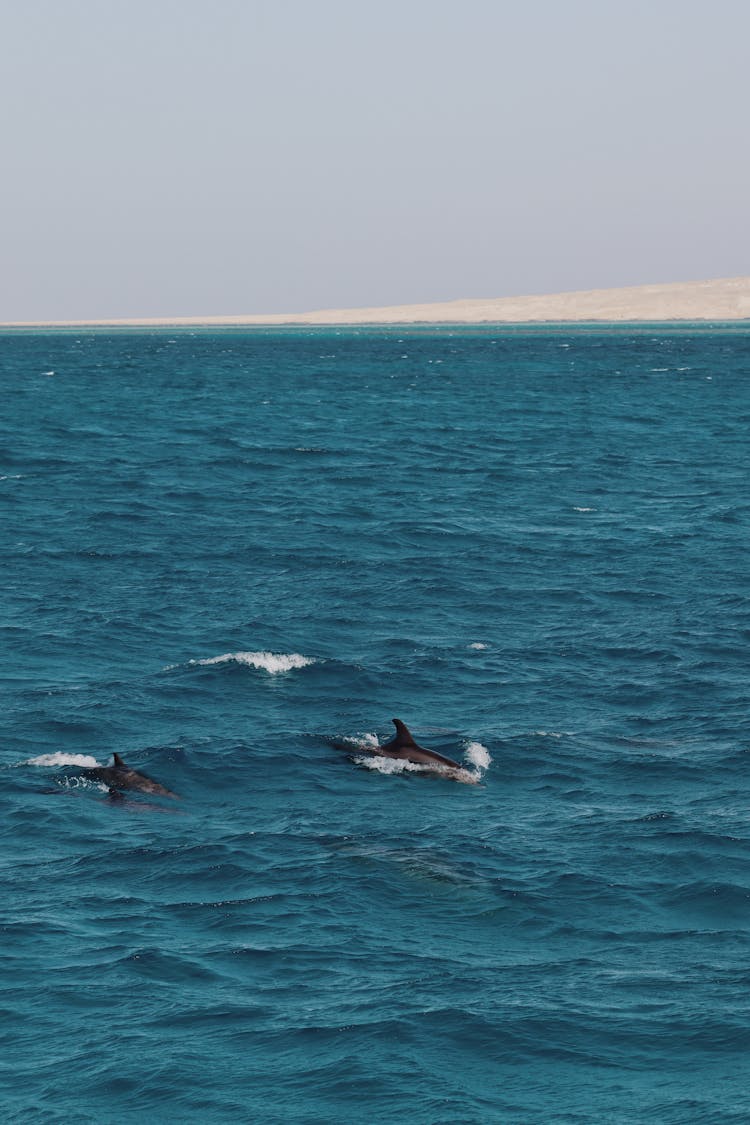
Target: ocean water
column 232, row 557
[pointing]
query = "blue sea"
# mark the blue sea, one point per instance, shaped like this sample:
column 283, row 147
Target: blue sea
column 232, row 557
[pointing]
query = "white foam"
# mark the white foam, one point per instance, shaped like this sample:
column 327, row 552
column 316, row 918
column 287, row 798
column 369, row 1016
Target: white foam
column 402, row 765
column 478, row 755
column 82, row 783
column 391, row 766
column 363, row 741
column 478, row 646
column 387, row 765
column 271, row 662
column 60, row 759
column 584, row 509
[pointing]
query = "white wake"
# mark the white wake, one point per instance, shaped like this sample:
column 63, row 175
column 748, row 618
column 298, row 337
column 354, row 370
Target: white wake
column 271, row 662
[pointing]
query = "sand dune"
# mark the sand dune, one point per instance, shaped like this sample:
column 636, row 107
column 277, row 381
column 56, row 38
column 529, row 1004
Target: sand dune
column 726, row 299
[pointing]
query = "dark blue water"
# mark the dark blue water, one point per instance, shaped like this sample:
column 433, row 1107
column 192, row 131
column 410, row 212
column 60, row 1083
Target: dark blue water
column 223, row 551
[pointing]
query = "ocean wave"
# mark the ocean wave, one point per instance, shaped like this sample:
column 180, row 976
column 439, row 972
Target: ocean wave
column 271, row 662
column 717, row 902
column 85, row 761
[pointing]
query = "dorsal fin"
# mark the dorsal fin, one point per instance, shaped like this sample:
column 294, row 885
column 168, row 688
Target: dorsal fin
column 404, row 736
column 119, row 762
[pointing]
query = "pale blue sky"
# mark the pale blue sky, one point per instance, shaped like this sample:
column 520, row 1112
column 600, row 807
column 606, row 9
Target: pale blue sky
column 167, row 157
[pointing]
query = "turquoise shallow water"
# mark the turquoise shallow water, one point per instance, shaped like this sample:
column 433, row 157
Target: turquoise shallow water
column 222, row 552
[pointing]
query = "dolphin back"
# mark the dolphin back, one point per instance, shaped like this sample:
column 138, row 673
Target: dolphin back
column 122, row 776
column 404, row 746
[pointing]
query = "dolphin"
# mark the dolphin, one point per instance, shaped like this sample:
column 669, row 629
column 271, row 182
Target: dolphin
column 120, row 776
column 404, row 746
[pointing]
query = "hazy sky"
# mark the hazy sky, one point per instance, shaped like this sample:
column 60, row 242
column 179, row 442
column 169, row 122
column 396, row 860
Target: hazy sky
column 167, row 157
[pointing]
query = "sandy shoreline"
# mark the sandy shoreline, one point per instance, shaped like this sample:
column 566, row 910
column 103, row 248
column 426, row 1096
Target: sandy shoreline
column 725, row 299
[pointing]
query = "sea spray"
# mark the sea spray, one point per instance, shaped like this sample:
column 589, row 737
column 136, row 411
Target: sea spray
column 478, row 755
column 58, row 758
column 271, row 662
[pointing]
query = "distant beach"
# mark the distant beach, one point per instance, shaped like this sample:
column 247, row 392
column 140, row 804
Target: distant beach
column 726, row 299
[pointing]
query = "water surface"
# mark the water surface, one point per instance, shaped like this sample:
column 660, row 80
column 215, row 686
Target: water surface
column 223, row 551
